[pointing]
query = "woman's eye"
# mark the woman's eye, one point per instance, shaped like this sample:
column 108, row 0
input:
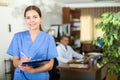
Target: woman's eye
column 27, row 17
column 35, row 17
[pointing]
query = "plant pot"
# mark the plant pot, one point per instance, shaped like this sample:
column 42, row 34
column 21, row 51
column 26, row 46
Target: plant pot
column 112, row 77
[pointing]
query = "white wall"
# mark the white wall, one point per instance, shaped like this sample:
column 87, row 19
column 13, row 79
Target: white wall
column 13, row 15
column 5, row 19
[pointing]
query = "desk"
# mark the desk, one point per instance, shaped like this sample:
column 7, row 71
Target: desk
column 93, row 73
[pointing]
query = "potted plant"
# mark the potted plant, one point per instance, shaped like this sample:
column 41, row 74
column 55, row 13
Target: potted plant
column 110, row 25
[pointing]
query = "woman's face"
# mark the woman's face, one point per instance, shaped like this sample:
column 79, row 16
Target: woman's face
column 33, row 20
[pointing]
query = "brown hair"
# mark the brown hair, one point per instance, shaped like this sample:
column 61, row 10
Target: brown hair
column 63, row 36
column 33, row 7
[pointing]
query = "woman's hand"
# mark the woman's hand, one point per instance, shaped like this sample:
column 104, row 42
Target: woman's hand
column 27, row 68
column 25, row 59
column 46, row 67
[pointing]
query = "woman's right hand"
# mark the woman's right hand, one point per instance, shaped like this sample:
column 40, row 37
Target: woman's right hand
column 18, row 61
column 25, row 59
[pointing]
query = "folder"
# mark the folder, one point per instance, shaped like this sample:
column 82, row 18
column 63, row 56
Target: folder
column 35, row 63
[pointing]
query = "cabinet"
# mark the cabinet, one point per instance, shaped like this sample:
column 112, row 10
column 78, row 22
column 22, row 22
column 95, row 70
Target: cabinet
column 89, row 47
column 72, row 17
column 79, row 29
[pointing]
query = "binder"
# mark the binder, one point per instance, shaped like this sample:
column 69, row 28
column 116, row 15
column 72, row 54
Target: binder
column 35, row 63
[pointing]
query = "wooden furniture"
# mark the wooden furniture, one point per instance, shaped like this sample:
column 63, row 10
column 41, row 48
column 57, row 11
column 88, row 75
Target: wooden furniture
column 89, row 47
column 72, row 17
column 93, row 73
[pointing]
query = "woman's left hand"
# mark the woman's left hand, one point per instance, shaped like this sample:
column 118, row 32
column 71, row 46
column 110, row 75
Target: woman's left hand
column 27, row 68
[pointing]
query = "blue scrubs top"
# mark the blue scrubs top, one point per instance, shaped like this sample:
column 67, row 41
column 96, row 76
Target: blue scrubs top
column 42, row 48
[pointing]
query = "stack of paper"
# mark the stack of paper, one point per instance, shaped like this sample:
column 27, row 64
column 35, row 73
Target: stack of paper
column 79, row 65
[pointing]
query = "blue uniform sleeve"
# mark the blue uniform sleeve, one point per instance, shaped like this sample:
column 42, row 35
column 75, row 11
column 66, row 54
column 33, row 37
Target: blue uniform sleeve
column 52, row 51
column 13, row 49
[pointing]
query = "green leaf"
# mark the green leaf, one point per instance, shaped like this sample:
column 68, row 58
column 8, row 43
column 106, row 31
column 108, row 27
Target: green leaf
column 110, row 25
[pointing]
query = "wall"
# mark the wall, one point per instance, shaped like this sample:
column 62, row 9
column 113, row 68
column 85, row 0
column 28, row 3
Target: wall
column 13, row 15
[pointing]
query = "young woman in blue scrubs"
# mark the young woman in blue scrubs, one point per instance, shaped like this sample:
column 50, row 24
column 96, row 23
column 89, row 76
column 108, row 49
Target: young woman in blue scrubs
column 32, row 44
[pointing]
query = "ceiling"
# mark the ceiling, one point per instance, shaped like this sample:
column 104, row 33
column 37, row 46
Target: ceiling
column 85, row 1
column 89, row 3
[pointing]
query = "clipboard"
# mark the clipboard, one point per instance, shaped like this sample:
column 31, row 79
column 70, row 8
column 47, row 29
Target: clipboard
column 35, row 63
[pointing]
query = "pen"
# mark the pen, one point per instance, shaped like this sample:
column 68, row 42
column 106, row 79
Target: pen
column 23, row 54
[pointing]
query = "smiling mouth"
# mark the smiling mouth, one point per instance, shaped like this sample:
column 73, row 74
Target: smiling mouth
column 33, row 24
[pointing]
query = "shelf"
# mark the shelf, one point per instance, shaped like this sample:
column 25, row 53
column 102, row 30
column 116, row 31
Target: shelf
column 72, row 16
column 75, row 32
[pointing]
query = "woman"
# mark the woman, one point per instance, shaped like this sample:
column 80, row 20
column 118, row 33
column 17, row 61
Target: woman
column 31, row 45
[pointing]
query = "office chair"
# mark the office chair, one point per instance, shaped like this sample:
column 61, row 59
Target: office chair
column 54, row 72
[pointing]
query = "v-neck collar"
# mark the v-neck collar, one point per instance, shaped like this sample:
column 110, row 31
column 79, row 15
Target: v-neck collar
column 33, row 46
column 35, row 38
